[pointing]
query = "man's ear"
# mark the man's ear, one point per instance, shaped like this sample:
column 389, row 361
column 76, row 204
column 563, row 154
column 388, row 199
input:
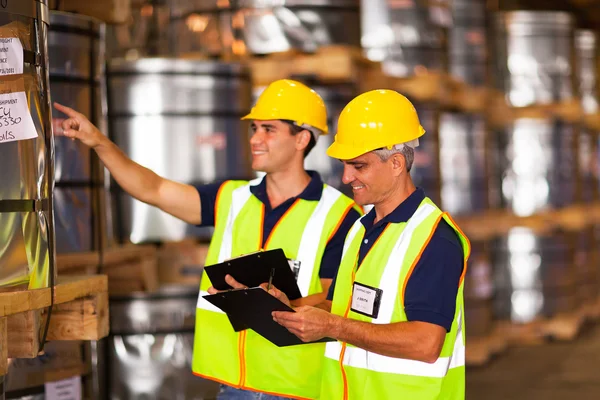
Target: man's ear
column 398, row 164
column 302, row 139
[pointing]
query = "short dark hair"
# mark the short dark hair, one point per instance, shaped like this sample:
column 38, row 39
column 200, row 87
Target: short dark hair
column 295, row 129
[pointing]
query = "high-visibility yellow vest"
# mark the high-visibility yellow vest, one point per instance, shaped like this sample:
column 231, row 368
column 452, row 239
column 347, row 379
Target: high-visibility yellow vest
column 351, row 373
column 245, row 359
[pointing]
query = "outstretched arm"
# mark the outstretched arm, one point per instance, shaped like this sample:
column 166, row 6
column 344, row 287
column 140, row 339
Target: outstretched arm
column 178, row 199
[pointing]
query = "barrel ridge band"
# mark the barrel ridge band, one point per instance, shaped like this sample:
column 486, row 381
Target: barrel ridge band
column 26, row 8
column 31, row 57
column 11, row 206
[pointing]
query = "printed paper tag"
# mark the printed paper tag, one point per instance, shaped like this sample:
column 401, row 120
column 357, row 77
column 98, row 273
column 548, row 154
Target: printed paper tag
column 11, row 56
column 15, row 120
column 67, row 389
column 366, row 300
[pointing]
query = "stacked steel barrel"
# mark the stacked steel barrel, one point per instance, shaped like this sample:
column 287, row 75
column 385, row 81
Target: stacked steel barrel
column 544, row 162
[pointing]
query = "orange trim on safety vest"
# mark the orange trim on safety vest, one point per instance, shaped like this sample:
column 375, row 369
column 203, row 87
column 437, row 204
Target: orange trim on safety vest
column 414, row 264
column 261, row 228
column 278, row 222
column 462, row 277
column 339, row 223
column 344, row 377
column 349, row 306
column 216, row 206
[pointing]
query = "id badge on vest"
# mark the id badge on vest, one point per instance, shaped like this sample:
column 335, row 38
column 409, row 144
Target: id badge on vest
column 295, row 267
column 366, row 300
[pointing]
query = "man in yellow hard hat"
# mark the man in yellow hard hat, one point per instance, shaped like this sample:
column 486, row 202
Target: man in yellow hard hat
column 397, row 311
column 289, row 208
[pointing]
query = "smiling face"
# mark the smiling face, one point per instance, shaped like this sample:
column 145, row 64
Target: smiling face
column 372, row 179
column 273, row 146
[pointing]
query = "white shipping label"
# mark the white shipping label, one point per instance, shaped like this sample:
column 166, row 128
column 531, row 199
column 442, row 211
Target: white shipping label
column 11, row 56
column 15, row 120
column 67, row 389
column 364, row 300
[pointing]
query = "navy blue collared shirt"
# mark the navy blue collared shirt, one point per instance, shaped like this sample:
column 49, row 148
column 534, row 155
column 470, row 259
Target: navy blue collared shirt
column 333, row 250
column 433, row 285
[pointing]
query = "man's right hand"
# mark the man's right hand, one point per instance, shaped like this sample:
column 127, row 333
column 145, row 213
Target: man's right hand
column 77, row 126
column 278, row 294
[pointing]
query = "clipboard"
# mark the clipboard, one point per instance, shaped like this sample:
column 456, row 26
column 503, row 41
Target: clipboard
column 253, row 308
column 254, row 269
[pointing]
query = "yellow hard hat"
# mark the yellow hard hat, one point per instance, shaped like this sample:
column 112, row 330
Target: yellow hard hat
column 291, row 100
column 372, row 120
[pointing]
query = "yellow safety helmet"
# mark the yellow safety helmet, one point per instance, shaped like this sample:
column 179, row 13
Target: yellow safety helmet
column 291, row 100
column 372, row 120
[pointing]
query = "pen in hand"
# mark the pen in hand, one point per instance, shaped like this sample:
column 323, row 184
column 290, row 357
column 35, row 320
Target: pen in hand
column 270, row 279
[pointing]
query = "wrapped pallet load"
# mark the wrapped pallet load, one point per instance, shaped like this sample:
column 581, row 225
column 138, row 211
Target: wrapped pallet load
column 26, row 148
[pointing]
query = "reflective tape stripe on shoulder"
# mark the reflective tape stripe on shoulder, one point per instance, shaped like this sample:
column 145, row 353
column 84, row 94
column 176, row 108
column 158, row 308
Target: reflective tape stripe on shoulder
column 311, row 238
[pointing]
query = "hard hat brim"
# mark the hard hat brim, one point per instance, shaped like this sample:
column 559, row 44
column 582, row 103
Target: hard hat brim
column 323, row 130
column 341, row 152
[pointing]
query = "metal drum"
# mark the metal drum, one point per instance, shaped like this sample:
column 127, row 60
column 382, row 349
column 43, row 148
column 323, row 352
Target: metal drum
column 76, row 45
column 425, row 172
column 262, row 26
column 150, row 347
column 26, row 217
column 536, row 162
column 533, row 57
column 181, row 119
column 467, row 42
column 479, row 291
column 587, row 60
column 534, row 275
column 463, row 163
column 408, row 36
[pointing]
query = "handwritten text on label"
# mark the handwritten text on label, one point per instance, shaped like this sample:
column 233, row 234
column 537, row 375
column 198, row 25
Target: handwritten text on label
column 15, row 120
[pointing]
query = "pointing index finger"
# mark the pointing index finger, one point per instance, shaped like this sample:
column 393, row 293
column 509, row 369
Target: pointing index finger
column 67, row 110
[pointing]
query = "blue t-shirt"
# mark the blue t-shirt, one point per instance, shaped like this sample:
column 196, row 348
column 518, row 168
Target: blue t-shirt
column 333, row 250
column 431, row 290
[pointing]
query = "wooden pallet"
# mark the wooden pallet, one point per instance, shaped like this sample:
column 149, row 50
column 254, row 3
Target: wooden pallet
column 564, row 326
column 347, row 64
column 329, row 64
column 480, row 350
column 592, row 121
column 59, row 360
column 182, row 262
column 493, row 223
column 469, row 99
column 129, row 268
column 79, row 312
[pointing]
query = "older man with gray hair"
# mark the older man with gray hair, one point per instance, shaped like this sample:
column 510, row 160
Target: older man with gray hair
column 397, row 313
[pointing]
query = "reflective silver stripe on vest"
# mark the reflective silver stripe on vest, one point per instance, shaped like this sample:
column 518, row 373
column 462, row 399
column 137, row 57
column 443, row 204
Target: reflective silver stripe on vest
column 309, row 243
column 351, row 235
column 359, row 358
column 311, row 238
column 205, row 304
column 239, row 197
column 390, row 278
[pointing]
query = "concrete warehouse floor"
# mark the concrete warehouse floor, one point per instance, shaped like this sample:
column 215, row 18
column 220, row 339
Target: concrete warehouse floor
column 551, row 371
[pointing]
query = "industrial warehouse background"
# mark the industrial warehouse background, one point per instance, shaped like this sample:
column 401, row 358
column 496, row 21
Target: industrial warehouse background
column 99, row 292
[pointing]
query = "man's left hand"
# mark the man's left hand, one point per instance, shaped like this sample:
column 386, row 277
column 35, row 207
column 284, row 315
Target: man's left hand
column 231, row 282
column 308, row 323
